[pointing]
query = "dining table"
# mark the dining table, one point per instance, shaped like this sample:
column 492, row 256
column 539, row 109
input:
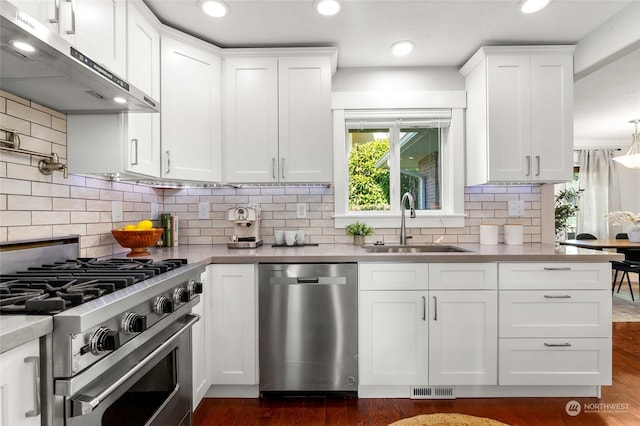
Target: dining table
column 631, row 250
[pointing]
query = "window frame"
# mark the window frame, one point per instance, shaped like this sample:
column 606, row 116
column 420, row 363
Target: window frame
column 346, row 105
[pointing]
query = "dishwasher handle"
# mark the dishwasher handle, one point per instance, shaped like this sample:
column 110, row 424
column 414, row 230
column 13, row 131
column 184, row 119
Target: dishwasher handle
column 308, row 280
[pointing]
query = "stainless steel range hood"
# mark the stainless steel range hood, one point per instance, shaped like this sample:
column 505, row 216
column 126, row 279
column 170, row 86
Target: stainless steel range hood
column 57, row 75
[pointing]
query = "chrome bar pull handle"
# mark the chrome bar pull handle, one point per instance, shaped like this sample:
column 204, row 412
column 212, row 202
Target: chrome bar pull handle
column 73, row 17
column 538, row 162
column 36, row 386
column 424, row 308
column 282, row 167
column 528, row 165
column 563, row 296
column 134, row 144
column 56, row 13
column 435, row 308
column 563, row 268
column 168, row 161
column 557, row 345
column 273, row 168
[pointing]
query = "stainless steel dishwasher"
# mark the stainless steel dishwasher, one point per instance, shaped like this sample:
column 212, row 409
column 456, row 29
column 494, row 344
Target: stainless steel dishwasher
column 308, row 328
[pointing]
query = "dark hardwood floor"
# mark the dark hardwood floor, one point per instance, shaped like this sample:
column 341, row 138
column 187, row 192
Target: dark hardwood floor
column 624, row 394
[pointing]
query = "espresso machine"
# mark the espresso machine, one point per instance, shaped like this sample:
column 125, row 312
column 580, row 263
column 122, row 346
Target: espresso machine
column 246, row 227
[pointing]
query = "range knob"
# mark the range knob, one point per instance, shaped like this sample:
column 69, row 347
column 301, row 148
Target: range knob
column 133, row 323
column 104, row 339
column 194, row 287
column 180, row 295
column 163, row 306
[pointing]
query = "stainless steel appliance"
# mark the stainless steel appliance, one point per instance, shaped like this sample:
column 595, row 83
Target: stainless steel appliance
column 246, row 227
column 308, row 328
column 120, row 351
column 56, row 74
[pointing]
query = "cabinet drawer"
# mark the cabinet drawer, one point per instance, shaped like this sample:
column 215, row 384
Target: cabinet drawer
column 554, row 275
column 393, row 276
column 555, row 313
column 463, row 276
column 555, row 361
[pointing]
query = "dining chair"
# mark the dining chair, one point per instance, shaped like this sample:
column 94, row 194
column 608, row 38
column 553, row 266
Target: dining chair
column 626, row 267
column 586, row 236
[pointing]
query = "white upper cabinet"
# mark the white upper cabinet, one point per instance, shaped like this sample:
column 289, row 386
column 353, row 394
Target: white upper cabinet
column 191, row 118
column 277, row 117
column 519, row 114
column 143, row 71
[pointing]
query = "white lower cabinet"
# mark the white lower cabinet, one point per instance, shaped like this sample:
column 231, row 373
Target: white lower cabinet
column 393, row 338
column 463, row 331
column 198, row 345
column 232, row 335
column 555, row 324
column 414, row 337
column 19, row 397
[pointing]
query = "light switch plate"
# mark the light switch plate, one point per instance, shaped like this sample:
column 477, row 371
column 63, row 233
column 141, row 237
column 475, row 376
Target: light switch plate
column 516, row 208
column 154, row 211
column 301, row 211
column 203, row 210
column 116, row 211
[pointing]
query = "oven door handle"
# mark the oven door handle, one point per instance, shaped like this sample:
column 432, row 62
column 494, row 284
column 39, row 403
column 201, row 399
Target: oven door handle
column 85, row 404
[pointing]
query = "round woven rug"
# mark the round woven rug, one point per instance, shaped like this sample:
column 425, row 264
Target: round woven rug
column 447, row 419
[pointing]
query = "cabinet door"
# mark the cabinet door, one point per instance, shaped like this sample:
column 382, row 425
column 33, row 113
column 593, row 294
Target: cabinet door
column 232, row 332
column 306, row 141
column 198, row 346
column 143, row 71
column 98, row 28
column 18, row 400
column 509, row 116
column 251, row 120
column 463, row 337
column 191, row 116
column 552, row 117
column 393, row 338
column 44, row 11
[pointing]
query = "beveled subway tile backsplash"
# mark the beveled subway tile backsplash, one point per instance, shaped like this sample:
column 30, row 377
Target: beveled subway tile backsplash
column 34, row 205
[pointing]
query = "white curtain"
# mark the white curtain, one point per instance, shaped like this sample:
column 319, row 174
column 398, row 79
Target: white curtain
column 601, row 192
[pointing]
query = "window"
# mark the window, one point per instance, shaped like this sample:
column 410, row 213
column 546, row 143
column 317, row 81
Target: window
column 381, row 153
column 386, row 160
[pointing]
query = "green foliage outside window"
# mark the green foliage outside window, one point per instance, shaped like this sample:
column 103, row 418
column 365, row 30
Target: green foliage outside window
column 368, row 184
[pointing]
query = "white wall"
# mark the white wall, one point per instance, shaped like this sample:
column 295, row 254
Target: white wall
column 383, row 79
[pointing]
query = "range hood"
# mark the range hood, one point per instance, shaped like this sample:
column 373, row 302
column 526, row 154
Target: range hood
column 57, row 75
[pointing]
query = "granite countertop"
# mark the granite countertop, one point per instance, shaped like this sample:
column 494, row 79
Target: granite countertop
column 18, row 329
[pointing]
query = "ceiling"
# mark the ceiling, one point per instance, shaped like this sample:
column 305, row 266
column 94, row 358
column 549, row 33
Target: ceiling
column 446, row 33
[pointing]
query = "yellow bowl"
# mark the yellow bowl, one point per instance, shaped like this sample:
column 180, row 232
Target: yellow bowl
column 137, row 240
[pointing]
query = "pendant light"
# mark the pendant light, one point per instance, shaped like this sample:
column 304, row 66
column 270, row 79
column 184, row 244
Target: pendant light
column 632, row 158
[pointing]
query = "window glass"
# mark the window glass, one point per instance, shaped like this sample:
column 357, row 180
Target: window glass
column 409, row 157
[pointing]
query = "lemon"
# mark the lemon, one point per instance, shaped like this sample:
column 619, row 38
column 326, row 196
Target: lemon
column 129, row 227
column 144, row 224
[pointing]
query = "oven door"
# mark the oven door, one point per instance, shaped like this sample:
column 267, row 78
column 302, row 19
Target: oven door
column 151, row 386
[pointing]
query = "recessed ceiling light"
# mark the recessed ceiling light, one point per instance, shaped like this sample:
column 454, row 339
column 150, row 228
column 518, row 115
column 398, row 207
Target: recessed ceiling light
column 119, row 100
column 402, row 48
column 23, row 46
column 531, row 6
column 327, row 7
column 215, row 8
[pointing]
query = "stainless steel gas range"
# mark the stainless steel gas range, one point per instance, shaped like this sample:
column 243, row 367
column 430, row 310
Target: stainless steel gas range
column 120, row 351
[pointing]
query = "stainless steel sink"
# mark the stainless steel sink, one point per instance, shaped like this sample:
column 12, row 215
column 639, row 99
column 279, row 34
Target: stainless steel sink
column 431, row 248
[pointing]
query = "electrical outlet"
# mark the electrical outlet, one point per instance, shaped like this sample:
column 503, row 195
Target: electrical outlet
column 516, row 208
column 301, row 211
column 154, row 211
column 203, row 210
column 116, row 211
